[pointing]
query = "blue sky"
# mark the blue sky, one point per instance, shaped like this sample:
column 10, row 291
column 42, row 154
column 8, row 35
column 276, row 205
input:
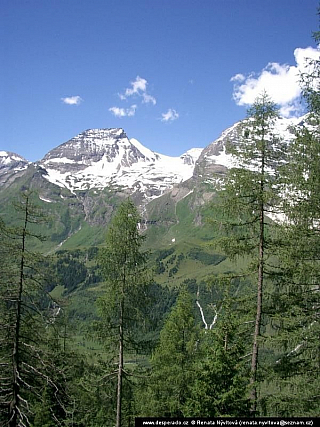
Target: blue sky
column 172, row 73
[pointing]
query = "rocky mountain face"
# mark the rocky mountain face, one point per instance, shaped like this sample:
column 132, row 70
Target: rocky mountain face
column 213, row 162
column 214, row 159
column 11, row 166
column 98, row 158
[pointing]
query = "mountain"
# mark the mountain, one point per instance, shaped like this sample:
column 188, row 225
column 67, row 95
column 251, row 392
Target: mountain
column 82, row 181
column 100, row 158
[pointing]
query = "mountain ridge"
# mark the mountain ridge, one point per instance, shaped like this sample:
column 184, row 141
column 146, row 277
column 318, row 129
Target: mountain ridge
column 82, row 181
column 97, row 158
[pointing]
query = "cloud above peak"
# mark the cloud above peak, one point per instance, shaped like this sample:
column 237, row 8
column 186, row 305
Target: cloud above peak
column 72, row 100
column 280, row 81
column 123, row 112
column 170, row 116
column 139, row 88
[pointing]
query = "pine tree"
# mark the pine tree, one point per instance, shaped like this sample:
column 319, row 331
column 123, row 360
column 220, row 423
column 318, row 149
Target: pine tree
column 123, row 264
column 250, row 193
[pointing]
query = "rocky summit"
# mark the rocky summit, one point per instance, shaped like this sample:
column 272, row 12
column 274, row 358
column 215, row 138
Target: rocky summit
column 98, row 158
column 11, row 165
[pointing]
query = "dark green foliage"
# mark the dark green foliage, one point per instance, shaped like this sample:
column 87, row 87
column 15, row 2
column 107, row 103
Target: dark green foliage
column 220, row 387
column 26, row 363
column 173, row 363
column 222, row 375
column 92, row 252
column 123, row 266
column 294, row 306
column 250, row 193
column 164, row 253
column 164, row 262
column 160, row 300
column 160, row 268
column 43, row 417
column 173, row 271
column 205, row 257
column 70, row 272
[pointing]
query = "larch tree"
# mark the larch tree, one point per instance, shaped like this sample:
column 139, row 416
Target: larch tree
column 295, row 305
column 123, row 264
column 26, row 370
column 249, row 194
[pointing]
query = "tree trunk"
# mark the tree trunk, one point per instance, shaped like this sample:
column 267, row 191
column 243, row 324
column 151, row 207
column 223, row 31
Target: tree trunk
column 120, row 366
column 255, row 347
column 14, row 404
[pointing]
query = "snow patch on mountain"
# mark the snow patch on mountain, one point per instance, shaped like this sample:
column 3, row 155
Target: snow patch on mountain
column 12, row 160
column 144, row 150
column 45, row 199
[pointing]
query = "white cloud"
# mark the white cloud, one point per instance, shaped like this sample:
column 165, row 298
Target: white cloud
column 170, row 115
column 139, row 88
column 118, row 112
column 280, row 81
column 148, row 98
column 131, row 111
column 123, row 112
column 72, row 100
column 238, row 78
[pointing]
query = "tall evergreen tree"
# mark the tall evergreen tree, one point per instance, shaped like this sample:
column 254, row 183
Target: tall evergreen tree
column 123, row 264
column 249, row 194
column 25, row 366
column 294, row 307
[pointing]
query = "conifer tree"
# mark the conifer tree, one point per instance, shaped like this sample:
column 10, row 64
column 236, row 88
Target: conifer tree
column 123, row 264
column 173, row 363
column 26, row 369
column 250, row 193
column 294, row 308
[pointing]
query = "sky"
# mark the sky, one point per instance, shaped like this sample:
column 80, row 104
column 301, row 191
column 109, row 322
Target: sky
column 172, row 73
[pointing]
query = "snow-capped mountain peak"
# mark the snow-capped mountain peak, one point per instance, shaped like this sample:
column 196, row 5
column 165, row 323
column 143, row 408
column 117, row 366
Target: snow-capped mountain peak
column 8, row 159
column 10, row 165
column 98, row 158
